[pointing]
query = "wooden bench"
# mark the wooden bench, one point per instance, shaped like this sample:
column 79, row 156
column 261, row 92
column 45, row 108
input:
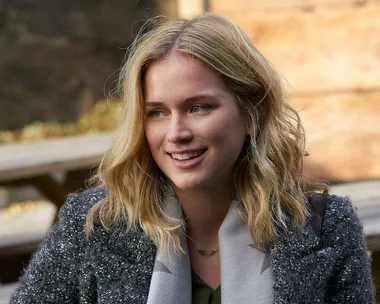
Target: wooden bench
column 34, row 164
column 6, row 292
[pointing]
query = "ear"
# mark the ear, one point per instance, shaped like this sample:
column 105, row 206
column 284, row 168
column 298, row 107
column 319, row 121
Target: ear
column 250, row 129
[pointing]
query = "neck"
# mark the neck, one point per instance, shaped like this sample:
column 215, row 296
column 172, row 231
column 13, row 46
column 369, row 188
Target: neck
column 204, row 211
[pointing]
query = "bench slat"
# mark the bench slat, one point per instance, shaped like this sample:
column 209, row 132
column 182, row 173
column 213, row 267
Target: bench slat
column 6, row 292
column 24, row 160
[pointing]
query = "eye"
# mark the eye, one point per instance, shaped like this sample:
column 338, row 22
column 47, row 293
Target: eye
column 155, row 113
column 199, row 108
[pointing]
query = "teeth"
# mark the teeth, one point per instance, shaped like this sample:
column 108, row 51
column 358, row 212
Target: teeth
column 185, row 155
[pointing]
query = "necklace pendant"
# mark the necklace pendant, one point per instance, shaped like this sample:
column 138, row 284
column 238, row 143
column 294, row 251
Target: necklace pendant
column 207, row 253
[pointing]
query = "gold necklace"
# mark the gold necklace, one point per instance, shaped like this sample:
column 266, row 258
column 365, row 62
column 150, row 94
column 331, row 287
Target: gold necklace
column 207, row 253
column 203, row 252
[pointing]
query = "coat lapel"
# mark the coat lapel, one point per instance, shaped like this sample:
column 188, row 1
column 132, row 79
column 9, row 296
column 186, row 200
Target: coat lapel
column 128, row 259
column 299, row 261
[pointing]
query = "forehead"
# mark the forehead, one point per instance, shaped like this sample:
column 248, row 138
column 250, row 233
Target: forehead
column 179, row 76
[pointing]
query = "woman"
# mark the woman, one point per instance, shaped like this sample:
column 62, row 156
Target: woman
column 200, row 198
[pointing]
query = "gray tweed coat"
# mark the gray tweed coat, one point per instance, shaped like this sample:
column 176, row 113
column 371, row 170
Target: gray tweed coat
column 114, row 267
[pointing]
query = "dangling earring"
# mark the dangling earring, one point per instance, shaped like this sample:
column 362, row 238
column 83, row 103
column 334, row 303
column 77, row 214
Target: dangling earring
column 250, row 144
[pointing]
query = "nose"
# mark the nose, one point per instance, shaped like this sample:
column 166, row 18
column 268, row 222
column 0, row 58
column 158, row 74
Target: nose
column 179, row 130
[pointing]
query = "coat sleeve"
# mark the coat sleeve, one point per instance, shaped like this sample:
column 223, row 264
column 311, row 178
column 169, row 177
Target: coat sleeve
column 351, row 281
column 52, row 274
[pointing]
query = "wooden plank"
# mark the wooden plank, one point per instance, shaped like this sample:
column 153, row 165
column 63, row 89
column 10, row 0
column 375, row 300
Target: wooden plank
column 6, row 291
column 167, row 8
column 189, row 8
column 362, row 193
column 21, row 160
column 241, row 6
column 47, row 186
column 322, row 50
column 343, row 135
column 21, row 232
column 53, row 191
column 32, row 237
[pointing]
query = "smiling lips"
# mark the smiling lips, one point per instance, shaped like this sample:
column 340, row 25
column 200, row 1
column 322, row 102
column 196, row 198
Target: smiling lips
column 188, row 159
column 184, row 156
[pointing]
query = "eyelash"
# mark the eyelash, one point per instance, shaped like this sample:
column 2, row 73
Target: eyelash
column 153, row 112
column 203, row 108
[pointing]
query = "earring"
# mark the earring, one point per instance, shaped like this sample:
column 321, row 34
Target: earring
column 250, row 144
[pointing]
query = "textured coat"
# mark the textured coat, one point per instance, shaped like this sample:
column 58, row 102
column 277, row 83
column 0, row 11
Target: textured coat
column 116, row 267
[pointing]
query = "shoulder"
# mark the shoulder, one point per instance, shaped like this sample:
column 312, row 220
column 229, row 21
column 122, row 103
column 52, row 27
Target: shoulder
column 341, row 226
column 78, row 204
column 340, row 210
column 334, row 219
column 339, row 204
column 332, row 208
column 342, row 231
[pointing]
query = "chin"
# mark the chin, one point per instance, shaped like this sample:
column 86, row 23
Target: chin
column 187, row 184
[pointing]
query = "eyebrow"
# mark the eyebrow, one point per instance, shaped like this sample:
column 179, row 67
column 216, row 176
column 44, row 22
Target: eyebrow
column 187, row 100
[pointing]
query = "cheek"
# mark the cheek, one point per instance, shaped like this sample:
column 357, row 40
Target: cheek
column 222, row 131
column 153, row 137
column 212, row 132
column 226, row 137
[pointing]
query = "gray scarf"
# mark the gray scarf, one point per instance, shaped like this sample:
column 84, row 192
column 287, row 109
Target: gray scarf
column 246, row 275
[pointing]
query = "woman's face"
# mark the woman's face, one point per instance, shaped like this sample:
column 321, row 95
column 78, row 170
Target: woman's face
column 194, row 126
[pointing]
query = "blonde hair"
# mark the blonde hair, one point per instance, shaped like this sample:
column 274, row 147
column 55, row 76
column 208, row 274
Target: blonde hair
column 269, row 179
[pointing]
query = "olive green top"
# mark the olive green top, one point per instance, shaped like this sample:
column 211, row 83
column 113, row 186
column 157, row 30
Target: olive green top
column 202, row 293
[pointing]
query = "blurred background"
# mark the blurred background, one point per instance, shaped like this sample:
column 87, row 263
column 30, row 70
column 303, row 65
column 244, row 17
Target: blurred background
column 59, row 63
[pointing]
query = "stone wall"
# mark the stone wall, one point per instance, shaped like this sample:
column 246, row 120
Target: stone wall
column 328, row 52
column 58, row 57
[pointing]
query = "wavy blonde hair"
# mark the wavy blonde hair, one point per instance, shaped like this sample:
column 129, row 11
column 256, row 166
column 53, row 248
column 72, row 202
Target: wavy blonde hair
column 269, row 179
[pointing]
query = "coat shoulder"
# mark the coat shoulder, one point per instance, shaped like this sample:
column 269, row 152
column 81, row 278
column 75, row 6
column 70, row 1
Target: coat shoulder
column 339, row 204
column 342, row 231
column 78, row 204
column 340, row 216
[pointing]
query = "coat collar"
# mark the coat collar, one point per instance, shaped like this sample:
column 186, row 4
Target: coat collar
column 129, row 257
